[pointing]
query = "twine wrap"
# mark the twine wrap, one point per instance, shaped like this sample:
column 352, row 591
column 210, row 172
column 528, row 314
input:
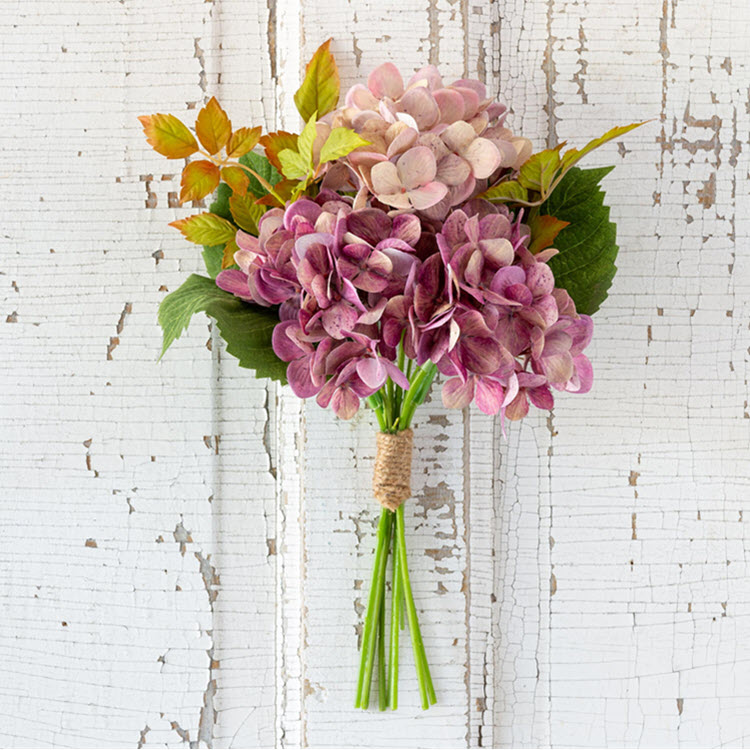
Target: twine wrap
column 391, row 479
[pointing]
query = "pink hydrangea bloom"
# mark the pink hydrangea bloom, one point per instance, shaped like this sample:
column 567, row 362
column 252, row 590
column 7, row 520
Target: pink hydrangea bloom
column 415, row 260
column 458, row 123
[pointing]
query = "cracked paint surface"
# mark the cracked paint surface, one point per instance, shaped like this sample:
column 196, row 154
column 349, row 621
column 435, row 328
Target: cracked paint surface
column 193, row 546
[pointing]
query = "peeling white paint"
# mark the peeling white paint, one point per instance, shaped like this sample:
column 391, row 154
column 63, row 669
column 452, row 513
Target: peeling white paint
column 186, row 550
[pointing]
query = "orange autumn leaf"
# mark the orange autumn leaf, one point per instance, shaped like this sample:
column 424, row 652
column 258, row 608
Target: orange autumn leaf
column 544, row 230
column 283, row 189
column 227, row 259
column 242, row 141
column 274, row 143
column 236, row 178
column 213, row 127
column 199, row 178
column 168, row 136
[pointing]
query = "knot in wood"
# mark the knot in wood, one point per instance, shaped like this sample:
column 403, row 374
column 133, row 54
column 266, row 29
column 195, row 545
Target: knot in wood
column 391, row 479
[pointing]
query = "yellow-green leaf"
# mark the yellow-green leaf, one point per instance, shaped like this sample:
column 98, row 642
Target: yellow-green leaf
column 246, row 212
column 243, row 141
column 307, row 139
column 168, row 136
column 506, row 192
column 237, row 179
column 199, row 178
column 544, row 229
column 574, row 155
column 213, row 127
column 296, row 164
column 293, row 164
column 319, row 91
column 341, row 142
column 206, row 229
column 539, row 170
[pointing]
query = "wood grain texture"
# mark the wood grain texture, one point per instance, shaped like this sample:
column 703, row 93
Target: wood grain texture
column 186, row 550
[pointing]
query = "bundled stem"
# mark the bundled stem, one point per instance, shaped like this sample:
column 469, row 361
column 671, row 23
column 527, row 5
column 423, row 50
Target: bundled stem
column 394, row 409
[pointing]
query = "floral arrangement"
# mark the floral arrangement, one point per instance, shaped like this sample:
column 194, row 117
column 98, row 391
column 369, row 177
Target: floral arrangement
column 405, row 233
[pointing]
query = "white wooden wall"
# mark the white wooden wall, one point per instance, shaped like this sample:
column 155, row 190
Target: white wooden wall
column 184, row 548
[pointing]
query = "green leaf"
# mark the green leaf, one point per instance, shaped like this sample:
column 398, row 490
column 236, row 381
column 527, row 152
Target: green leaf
column 260, row 164
column 319, row 91
column 177, row 308
column 341, row 142
column 220, row 204
column 506, row 192
column 585, row 264
column 212, row 255
column 538, row 171
column 246, row 213
column 246, row 329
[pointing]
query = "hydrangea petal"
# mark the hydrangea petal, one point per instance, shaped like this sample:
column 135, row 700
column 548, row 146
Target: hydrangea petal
column 235, row 282
column 247, row 242
column 427, row 195
column 361, row 97
column 385, row 178
column 402, row 141
column 420, row 104
column 483, row 156
column 540, row 279
column 458, row 394
column 458, row 136
column 406, row 227
column 451, row 105
column 489, row 395
column 372, row 371
column 471, row 100
column 499, row 251
column 345, row 403
column 286, row 345
column 339, row 319
column 416, row 167
column 386, row 80
column 583, row 377
column 518, row 408
column 428, row 76
column 369, row 225
column 300, row 379
column 453, row 170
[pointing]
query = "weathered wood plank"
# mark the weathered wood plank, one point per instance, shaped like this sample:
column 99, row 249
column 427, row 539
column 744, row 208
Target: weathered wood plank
column 136, row 577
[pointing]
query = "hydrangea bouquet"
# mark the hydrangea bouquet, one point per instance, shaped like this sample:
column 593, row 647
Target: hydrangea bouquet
column 405, row 233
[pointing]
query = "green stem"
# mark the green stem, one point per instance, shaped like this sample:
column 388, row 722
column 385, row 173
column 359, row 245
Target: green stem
column 373, row 610
column 426, row 689
column 382, row 688
column 420, row 385
column 394, row 409
column 395, row 627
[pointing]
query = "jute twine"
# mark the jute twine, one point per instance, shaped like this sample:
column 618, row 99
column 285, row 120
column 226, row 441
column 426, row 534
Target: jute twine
column 391, row 479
